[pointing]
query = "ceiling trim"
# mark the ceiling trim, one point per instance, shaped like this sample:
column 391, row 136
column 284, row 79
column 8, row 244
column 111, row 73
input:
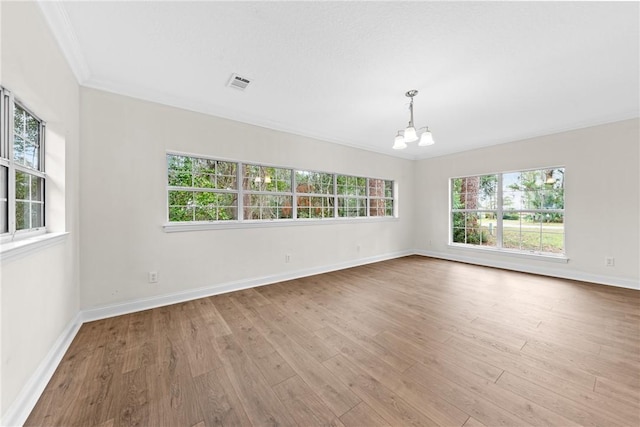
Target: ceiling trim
column 177, row 102
column 58, row 20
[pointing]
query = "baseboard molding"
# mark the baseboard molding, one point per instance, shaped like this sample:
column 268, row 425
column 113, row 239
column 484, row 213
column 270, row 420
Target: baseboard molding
column 619, row 282
column 140, row 304
column 22, row 406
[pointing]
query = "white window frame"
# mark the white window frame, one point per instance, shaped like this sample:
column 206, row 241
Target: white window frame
column 331, row 195
column 6, row 159
column 240, row 222
column 561, row 257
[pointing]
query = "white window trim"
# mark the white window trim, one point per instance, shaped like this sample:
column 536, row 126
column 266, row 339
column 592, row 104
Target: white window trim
column 174, row 227
column 29, row 245
column 517, row 253
column 13, row 236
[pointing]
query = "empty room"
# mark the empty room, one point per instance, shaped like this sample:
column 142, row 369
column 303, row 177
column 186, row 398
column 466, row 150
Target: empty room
column 319, row 213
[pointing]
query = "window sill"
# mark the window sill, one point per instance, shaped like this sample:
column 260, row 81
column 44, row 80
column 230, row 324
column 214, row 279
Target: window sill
column 23, row 247
column 185, row 226
column 517, row 254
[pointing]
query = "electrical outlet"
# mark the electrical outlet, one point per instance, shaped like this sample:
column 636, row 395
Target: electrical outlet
column 287, row 258
column 153, row 277
column 609, row 261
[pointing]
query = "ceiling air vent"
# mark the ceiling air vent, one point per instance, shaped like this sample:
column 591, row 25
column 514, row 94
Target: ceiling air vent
column 238, row 82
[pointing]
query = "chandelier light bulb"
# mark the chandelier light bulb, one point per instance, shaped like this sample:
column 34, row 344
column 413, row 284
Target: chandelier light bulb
column 426, row 138
column 399, row 143
column 410, row 134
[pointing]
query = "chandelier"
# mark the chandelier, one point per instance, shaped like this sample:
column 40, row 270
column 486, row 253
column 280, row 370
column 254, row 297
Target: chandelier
column 410, row 134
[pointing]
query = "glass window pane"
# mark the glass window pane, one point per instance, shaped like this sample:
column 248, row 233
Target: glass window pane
column 181, row 198
column 352, row 207
column 351, row 185
column 23, row 215
column 26, row 144
column 18, row 149
column 37, row 217
column 181, row 213
column 4, row 182
column 267, row 207
column 264, row 178
column 226, row 178
column 315, row 207
column 37, row 188
column 23, row 185
column 314, row 182
column 377, row 207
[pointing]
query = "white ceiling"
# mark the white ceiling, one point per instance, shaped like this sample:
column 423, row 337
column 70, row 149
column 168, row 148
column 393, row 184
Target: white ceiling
column 487, row 72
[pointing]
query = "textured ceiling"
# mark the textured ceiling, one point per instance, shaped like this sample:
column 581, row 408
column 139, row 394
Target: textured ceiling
column 487, row 72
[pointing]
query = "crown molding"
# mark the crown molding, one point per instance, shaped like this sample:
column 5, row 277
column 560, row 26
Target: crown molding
column 58, row 20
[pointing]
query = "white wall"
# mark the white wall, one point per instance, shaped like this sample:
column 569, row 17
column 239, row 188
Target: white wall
column 602, row 187
column 123, row 203
column 40, row 291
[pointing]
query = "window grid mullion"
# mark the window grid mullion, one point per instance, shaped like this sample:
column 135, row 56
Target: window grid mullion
column 499, row 214
column 240, row 187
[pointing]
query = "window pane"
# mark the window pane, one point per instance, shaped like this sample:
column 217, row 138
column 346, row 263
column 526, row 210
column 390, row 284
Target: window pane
column 18, row 149
column 536, row 189
column 474, row 228
column 377, row 207
column 180, row 170
column 351, row 185
column 475, row 192
column 37, row 188
column 214, row 174
column 376, row 187
column 23, row 215
column 314, row 182
column 26, row 138
column 264, row 178
column 181, row 213
column 37, row 217
column 315, row 207
column 352, row 207
column 23, row 185
column 181, row 198
column 267, row 207
column 226, row 178
column 525, row 231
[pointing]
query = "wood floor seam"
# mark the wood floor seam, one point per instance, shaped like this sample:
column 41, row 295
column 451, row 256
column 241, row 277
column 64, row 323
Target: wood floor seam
column 410, row 341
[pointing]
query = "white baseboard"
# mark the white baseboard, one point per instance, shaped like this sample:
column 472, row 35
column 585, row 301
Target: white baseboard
column 22, row 406
column 140, row 304
column 619, row 282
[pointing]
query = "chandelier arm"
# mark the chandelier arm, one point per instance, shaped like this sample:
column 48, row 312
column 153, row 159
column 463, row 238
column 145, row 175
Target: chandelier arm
column 411, row 111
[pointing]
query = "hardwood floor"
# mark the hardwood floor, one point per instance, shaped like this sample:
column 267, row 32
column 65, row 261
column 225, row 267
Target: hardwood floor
column 409, row 342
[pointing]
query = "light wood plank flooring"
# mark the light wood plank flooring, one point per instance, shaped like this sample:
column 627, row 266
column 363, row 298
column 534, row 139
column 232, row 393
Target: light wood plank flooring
column 409, row 342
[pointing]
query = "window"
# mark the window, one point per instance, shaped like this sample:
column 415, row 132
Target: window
column 352, row 196
column 266, row 192
column 380, row 197
column 201, row 190
column 517, row 211
column 22, row 177
column 315, row 194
